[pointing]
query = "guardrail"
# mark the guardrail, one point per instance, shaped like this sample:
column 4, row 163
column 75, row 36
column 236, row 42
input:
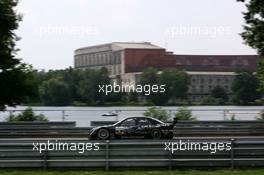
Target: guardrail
column 63, row 114
column 132, row 154
column 201, row 123
column 36, row 124
column 182, row 128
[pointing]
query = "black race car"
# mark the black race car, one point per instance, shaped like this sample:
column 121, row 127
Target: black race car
column 134, row 127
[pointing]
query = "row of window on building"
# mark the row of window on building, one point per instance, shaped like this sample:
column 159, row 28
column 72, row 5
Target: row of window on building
column 206, row 89
column 211, row 79
column 97, row 59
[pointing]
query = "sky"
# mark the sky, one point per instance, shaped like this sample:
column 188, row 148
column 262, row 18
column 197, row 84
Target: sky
column 51, row 30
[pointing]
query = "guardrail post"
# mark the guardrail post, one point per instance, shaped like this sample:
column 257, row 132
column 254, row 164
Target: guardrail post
column 10, row 115
column 63, row 115
column 170, row 160
column 232, row 154
column 170, row 113
column 225, row 114
column 107, row 155
column 45, row 158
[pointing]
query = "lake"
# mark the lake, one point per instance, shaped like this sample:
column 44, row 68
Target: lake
column 84, row 115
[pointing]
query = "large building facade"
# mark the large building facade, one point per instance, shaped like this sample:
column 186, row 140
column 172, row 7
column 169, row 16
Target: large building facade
column 126, row 60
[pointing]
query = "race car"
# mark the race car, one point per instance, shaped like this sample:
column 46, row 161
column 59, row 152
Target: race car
column 135, row 127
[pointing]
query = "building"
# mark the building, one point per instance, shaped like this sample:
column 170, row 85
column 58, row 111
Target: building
column 126, row 60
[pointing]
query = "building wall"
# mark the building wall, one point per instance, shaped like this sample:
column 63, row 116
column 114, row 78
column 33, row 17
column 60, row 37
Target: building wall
column 135, row 57
column 94, row 59
column 201, row 84
column 126, row 64
column 213, row 63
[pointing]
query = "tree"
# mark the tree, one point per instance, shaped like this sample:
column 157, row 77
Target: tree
column 176, row 84
column 219, row 94
column 88, row 87
column 27, row 115
column 253, row 31
column 158, row 113
column 55, row 92
column 245, row 87
column 150, row 76
column 15, row 76
column 184, row 113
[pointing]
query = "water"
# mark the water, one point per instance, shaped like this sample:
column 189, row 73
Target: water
column 84, row 115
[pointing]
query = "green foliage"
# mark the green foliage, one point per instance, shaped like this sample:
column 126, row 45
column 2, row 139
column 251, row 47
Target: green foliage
column 260, row 74
column 245, row 88
column 184, row 113
column 27, row 115
column 261, row 116
column 176, row 84
column 55, row 92
column 158, row 113
column 253, row 32
column 233, row 117
column 15, row 77
column 218, row 96
column 209, row 100
column 219, row 93
column 71, row 87
column 88, row 86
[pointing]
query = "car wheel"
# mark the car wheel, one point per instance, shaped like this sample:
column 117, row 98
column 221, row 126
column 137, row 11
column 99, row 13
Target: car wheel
column 156, row 134
column 170, row 135
column 103, row 134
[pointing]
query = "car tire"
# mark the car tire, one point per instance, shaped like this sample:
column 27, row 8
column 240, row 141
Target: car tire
column 156, row 134
column 170, row 135
column 103, row 134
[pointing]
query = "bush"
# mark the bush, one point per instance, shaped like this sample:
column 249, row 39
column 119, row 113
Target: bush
column 184, row 113
column 27, row 115
column 233, row 117
column 158, row 113
column 261, row 116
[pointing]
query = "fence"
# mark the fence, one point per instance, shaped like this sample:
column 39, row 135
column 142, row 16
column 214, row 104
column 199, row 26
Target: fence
column 132, row 154
column 182, row 129
column 84, row 116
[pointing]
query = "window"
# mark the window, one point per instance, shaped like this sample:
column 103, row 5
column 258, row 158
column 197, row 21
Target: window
column 129, row 122
column 143, row 122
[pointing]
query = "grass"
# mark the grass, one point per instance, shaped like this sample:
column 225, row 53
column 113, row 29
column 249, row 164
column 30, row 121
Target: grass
column 174, row 172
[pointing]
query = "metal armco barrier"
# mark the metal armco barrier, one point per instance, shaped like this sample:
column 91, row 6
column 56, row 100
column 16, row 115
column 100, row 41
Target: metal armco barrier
column 114, row 154
column 182, row 128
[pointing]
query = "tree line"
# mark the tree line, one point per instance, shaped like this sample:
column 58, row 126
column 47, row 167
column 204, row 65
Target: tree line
column 80, row 87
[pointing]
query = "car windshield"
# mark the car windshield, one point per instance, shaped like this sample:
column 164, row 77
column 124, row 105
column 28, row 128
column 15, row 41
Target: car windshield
column 155, row 121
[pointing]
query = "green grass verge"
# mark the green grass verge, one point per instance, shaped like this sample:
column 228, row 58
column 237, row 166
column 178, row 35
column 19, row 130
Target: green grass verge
column 175, row 172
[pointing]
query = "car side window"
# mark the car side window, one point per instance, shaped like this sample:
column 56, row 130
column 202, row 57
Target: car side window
column 128, row 122
column 153, row 122
column 143, row 122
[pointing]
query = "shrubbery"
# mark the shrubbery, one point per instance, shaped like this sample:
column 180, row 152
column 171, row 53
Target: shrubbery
column 261, row 116
column 184, row 113
column 158, row 113
column 27, row 115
